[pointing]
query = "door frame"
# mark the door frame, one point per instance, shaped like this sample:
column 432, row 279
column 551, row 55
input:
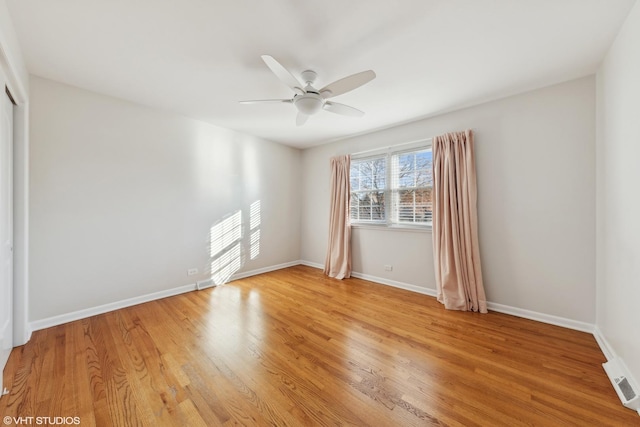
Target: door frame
column 15, row 80
column 6, row 217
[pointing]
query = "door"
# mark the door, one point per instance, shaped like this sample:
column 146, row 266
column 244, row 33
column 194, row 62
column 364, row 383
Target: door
column 6, row 229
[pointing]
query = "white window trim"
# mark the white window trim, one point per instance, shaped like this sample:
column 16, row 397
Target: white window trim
column 388, row 152
column 417, row 228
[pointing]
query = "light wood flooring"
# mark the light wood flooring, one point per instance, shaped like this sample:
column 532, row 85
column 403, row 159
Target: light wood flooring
column 293, row 348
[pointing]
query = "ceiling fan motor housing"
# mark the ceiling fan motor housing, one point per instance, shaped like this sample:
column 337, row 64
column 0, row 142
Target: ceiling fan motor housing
column 309, row 76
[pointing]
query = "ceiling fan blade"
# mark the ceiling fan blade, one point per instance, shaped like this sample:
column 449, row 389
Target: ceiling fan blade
column 266, row 101
column 301, row 119
column 345, row 110
column 283, row 74
column 347, row 84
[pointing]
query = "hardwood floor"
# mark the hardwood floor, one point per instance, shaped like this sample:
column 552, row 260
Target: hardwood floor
column 293, row 348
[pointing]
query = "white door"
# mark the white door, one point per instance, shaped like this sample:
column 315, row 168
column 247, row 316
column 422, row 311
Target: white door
column 6, row 229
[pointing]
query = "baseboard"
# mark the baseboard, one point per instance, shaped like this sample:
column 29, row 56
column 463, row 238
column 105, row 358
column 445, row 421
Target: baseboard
column 311, row 264
column 22, row 336
column 380, row 280
column 500, row 308
column 606, row 348
column 105, row 308
column 268, row 269
column 395, row 284
column 541, row 317
column 527, row 314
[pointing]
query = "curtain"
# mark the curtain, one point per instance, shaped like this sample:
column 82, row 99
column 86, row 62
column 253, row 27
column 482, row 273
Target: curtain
column 455, row 224
column 338, row 262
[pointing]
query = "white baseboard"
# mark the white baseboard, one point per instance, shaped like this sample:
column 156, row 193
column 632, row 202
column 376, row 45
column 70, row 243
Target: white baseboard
column 500, row 308
column 541, row 317
column 527, row 314
column 257, row 271
column 395, row 284
column 380, row 280
column 606, row 348
column 23, row 336
column 105, row 308
column 88, row 312
column 311, row 264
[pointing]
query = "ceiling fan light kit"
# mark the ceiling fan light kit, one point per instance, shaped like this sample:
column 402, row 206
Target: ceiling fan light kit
column 309, row 103
column 307, row 99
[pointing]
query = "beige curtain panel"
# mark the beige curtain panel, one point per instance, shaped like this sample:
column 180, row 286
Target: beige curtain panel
column 455, row 224
column 338, row 262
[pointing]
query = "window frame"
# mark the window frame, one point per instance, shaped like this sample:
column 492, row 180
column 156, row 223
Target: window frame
column 388, row 155
column 371, row 190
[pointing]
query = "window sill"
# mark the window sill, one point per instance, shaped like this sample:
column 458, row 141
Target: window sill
column 393, row 227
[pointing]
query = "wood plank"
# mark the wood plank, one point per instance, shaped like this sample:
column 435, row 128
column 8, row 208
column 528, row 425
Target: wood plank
column 295, row 348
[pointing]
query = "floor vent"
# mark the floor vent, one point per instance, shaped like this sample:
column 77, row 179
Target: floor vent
column 203, row 284
column 623, row 383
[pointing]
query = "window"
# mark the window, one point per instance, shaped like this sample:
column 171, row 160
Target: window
column 368, row 185
column 393, row 188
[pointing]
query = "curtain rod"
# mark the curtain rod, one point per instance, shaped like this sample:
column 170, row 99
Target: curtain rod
column 391, row 146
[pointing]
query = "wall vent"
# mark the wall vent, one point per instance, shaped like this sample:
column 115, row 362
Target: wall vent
column 623, row 383
column 203, row 284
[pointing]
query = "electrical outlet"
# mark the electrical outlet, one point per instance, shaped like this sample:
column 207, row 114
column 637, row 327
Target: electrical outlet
column 388, row 267
column 192, row 271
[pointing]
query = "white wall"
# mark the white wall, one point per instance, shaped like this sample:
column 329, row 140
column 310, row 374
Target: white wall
column 123, row 198
column 536, row 201
column 618, row 195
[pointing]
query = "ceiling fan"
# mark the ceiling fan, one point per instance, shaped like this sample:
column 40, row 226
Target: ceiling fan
column 309, row 100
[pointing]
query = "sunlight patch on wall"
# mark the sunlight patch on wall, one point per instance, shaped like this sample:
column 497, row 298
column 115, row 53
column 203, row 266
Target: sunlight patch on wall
column 254, row 227
column 226, row 248
column 229, row 245
column 223, row 267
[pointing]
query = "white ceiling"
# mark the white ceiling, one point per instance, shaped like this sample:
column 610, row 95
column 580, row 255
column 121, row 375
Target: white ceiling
column 198, row 58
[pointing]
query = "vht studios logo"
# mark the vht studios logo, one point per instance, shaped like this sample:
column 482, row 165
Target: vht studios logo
column 41, row 421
